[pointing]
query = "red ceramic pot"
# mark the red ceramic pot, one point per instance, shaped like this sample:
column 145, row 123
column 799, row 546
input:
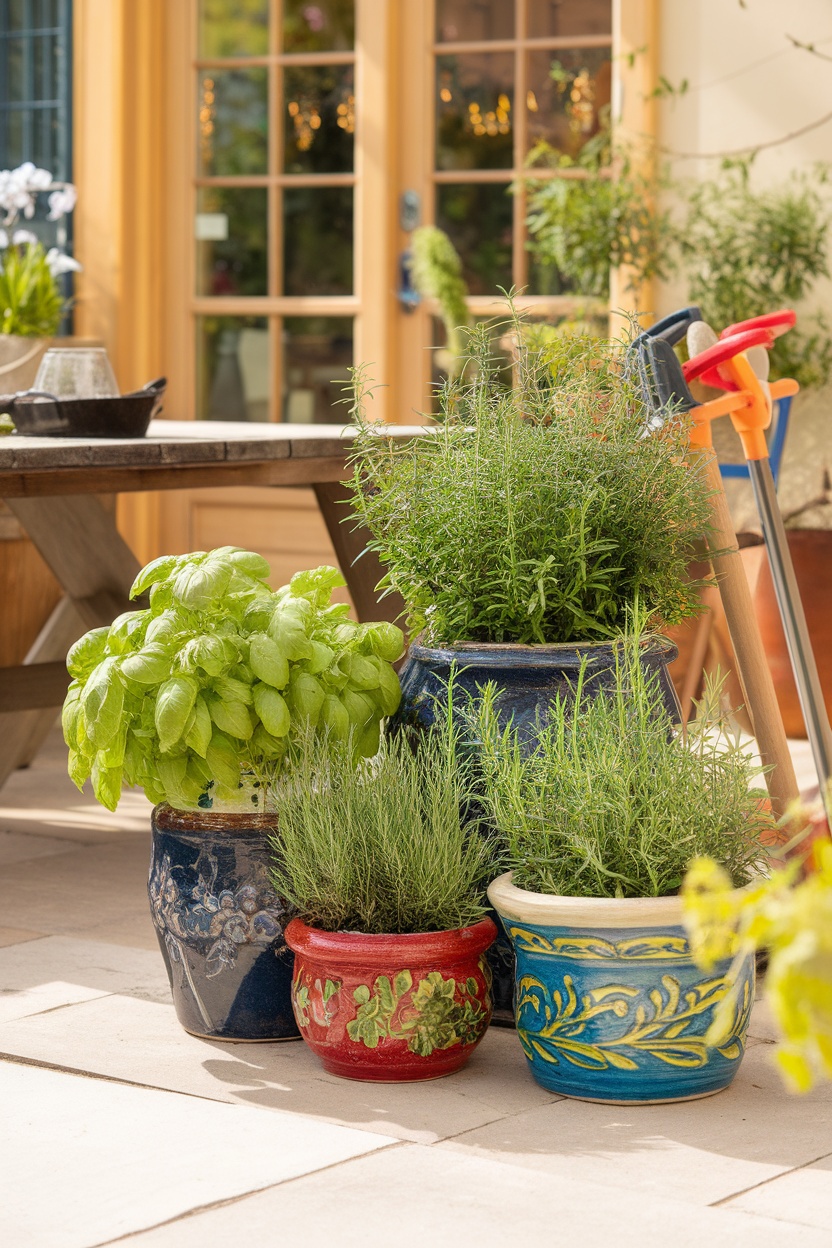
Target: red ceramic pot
column 391, row 1009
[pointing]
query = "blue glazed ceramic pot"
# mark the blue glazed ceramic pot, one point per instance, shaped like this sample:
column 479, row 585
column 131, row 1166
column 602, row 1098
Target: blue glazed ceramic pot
column 528, row 678
column 610, row 1005
column 220, row 924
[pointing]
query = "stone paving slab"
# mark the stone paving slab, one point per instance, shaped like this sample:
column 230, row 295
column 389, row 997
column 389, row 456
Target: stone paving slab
column 43, row 975
column 699, row 1151
column 803, row 1196
column 411, row 1197
column 141, row 1042
column 87, row 1161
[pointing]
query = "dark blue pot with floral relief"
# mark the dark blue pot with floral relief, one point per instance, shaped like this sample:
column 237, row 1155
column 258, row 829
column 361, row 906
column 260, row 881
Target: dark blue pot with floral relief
column 220, row 924
column 527, row 679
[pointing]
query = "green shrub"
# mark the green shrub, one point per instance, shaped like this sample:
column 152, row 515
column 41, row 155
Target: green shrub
column 609, row 802
column 538, row 513
column 31, row 303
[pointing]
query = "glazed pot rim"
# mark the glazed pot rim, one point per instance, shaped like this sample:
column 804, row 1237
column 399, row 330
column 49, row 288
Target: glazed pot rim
column 549, row 654
column 369, row 948
column 231, row 822
column 555, row 910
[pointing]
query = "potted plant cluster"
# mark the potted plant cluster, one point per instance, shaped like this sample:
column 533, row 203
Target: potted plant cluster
column 31, row 299
column 202, row 699
column 599, row 820
column 390, row 981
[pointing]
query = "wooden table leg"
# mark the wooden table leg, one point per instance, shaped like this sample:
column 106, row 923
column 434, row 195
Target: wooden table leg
column 78, row 539
column 362, row 568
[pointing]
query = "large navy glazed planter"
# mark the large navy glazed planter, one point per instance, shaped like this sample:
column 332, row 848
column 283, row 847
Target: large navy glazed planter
column 610, row 1005
column 528, row 678
column 220, row 924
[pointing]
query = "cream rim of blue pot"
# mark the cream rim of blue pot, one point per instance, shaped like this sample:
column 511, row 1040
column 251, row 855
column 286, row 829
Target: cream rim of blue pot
column 522, row 906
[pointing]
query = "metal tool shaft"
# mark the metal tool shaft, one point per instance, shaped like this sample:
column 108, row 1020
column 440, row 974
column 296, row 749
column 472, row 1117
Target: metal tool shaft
column 801, row 654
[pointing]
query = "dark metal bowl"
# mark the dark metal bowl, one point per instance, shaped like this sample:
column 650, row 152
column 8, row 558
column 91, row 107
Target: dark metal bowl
column 39, row 415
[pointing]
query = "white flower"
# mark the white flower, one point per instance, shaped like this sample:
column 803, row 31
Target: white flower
column 24, row 236
column 60, row 263
column 62, row 201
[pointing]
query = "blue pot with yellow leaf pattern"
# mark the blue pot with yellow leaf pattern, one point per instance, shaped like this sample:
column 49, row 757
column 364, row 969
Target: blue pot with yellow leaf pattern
column 609, row 1004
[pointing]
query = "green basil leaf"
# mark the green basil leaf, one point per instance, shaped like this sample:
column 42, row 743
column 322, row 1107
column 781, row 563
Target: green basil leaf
column 320, row 659
column 166, row 627
column 87, row 652
column 152, row 573
column 272, row 709
column 181, row 788
column 263, row 743
column 250, row 563
column 360, row 670
column 306, row 696
column 223, row 759
column 198, row 736
column 149, row 666
column 232, row 718
column 384, row 640
column 291, row 636
column 174, row 703
column 232, row 690
column 369, row 739
column 70, row 713
column 317, row 584
column 389, row 692
column 267, row 661
column 127, row 632
column 335, row 717
column 106, row 784
column 161, row 597
column 78, row 768
column 103, row 703
column 360, row 707
column 199, row 586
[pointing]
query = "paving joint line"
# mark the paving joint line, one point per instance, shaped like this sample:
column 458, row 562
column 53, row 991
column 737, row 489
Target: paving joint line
column 804, row 1165
column 256, row 1191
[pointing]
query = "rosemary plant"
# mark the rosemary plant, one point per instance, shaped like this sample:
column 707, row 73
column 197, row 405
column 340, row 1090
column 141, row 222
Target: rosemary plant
column 609, row 802
column 380, row 847
column 537, row 513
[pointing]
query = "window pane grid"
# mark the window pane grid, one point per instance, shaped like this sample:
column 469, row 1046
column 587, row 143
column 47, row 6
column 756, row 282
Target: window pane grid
column 288, row 338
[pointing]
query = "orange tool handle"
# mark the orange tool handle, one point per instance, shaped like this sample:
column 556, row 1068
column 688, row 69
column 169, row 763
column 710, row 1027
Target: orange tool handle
column 701, row 436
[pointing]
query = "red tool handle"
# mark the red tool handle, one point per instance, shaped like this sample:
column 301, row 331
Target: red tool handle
column 724, row 350
column 778, row 322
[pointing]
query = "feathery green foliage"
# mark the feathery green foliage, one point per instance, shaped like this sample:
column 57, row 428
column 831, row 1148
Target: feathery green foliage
column 31, row 303
column 437, row 273
column 380, row 848
column 539, row 513
column 751, row 251
column 610, row 802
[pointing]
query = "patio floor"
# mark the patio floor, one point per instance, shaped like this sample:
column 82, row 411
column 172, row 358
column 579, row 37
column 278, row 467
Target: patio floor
column 117, row 1126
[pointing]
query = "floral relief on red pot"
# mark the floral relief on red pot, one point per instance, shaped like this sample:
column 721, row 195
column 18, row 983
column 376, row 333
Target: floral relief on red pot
column 391, row 1008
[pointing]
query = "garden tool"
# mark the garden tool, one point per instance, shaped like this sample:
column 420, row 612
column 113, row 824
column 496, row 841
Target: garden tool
column 749, row 399
column 662, row 378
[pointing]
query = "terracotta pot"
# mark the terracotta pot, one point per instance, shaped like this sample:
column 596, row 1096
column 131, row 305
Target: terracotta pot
column 220, row 924
column 811, row 551
column 610, row 1004
column 19, row 361
column 391, row 1009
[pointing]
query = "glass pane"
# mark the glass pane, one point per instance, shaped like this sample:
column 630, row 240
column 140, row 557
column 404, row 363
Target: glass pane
column 233, row 28
column 317, row 352
column 15, row 89
column 233, row 368
column 319, row 119
column 232, row 249
column 232, row 108
column 568, row 90
column 458, row 20
column 328, row 26
column 473, row 111
column 546, row 279
column 548, row 18
column 478, row 220
column 317, row 240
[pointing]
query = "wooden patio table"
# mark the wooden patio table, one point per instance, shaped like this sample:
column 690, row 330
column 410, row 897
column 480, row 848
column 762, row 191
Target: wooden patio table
column 51, row 485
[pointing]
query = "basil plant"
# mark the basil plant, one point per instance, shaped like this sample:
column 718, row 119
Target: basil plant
column 206, row 695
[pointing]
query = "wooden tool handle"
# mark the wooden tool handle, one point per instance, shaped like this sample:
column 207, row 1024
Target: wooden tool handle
column 754, row 674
